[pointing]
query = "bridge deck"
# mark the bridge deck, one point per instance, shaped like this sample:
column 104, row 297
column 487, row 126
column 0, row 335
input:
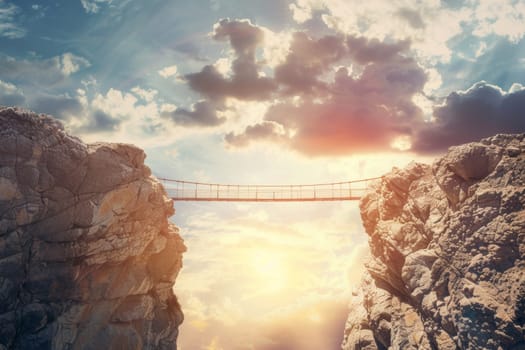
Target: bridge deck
column 196, row 191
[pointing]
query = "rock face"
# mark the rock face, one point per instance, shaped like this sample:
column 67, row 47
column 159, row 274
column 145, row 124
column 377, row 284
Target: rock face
column 448, row 253
column 87, row 256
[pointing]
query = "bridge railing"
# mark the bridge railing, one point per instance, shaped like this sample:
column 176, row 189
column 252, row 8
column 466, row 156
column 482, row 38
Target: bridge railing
column 197, row 191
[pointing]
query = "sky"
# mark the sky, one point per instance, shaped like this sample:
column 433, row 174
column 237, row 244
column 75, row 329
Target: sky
column 269, row 92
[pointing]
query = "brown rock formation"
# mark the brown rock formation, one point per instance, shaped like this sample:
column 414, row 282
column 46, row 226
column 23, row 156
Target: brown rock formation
column 87, row 256
column 448, row 253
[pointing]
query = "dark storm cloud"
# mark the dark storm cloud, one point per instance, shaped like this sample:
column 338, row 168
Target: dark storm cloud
column 245, row 82
column 202, row 114
column 483, row 110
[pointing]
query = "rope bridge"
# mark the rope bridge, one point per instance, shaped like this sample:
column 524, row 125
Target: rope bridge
column 197, row 191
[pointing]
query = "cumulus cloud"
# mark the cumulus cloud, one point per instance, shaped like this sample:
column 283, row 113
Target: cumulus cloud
column 246, row 82
column 345, row 93
column 9, row 27
column 480, row 111
column 355, row 112
column 10, row 95
column 312, row 109
column 307, row 60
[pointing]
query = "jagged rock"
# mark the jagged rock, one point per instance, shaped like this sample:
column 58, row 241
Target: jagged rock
column 87, row 255
column 447, row 269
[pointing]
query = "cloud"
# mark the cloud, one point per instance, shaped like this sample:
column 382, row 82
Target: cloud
column 354, row 113
column 343, row 93
column 269, row 131
column 98, row 121
column 245, row 83
column 63, row 107
column 145, row 94
column 312, row 109
column 10, row 95
column 307, row 60
column 480, row 111
column 503, row 18
column 93, row 6
column 70, row 63
column 413, row 17
column 167, row 72
column 202, row 114
column 429, row 25
column 364, row 50
column 9, row 28
column 45, row 71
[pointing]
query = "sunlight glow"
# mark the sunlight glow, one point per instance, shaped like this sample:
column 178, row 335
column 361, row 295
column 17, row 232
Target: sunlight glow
column 269, row 267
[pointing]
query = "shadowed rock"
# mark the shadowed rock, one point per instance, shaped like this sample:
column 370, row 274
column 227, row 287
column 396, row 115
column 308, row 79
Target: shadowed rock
column 448, row 253
column 88, row 258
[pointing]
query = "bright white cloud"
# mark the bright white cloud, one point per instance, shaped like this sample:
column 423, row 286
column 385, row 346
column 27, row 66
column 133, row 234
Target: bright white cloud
column 146, row 94
column 276, row 46
column 503, row 18
column 167, row 72
column 223, row 65
column 9, row 27
column 71, row 63
column 302, row 10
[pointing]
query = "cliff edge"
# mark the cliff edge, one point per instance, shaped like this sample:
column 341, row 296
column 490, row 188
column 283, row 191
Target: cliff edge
column 447, row 267
column 87, row 255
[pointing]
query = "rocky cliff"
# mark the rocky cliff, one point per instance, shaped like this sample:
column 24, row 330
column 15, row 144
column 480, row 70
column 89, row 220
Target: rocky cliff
column 448, row 253
column 87, row 256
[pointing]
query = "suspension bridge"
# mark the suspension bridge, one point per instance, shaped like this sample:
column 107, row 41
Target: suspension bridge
column 180, row 190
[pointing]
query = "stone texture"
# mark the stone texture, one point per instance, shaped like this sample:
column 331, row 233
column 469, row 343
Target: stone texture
column 447, row 269
column 87, row 255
